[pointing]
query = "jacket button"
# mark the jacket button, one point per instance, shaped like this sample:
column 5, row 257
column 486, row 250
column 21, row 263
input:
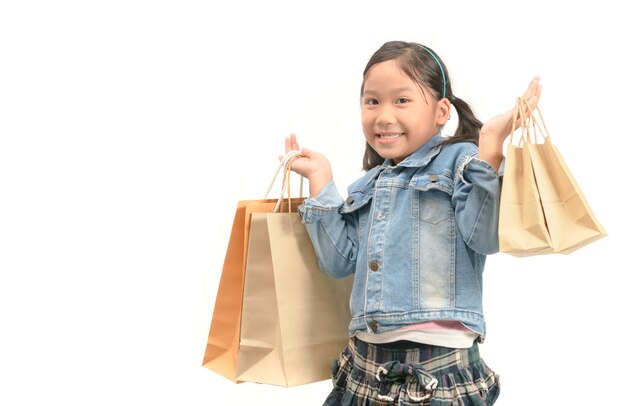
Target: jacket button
column 373, row 326
column 374, row 266
column 350, row 200
column 433, row 178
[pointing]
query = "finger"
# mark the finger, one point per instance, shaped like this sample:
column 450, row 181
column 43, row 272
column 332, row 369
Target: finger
column 533, row 86
column 533, row 100
column 291, row 143
column 531, row 97
column 307, row 153
column 287, row 144
column 294, row 142
column 538, row 92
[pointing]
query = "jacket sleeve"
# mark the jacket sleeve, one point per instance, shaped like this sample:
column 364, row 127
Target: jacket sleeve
column 333, row 235
column 476, row 201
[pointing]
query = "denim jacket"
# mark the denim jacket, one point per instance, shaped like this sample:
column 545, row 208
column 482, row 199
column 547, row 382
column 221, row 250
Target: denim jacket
column 415, row 235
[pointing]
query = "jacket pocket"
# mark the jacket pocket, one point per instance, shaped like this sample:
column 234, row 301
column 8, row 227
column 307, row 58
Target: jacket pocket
column 431, row 197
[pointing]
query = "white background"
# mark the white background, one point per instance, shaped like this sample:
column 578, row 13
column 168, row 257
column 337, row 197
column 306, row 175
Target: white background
column 129, row 131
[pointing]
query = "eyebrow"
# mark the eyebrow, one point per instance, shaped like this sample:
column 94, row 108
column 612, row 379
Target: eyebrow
column 396, row 90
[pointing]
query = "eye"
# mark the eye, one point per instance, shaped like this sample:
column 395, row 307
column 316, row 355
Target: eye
column 370, row 102
column 402, row 100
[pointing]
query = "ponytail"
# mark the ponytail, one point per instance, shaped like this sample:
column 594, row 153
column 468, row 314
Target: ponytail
column 468, row 128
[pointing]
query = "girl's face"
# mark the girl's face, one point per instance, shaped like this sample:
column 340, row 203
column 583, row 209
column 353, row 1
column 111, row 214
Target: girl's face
column 397, row 116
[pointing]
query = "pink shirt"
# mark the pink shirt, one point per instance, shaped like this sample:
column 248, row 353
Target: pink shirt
column 440, row 324
column 444, row 333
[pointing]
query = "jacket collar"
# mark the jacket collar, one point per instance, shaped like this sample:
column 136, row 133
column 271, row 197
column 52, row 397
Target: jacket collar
column 422, row 156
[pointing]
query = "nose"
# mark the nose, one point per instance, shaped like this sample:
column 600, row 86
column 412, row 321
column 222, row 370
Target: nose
column 385, row 115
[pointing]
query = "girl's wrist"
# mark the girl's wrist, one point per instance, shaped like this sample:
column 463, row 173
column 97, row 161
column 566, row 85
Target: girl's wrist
column 318, row 180
column 490, row 143
column 490, row 149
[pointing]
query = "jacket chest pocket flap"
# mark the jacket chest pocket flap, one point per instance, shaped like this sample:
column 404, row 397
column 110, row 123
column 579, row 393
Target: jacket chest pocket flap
column 432, row 197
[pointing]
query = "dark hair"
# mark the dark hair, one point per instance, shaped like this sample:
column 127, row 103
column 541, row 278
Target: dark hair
column 425, row 67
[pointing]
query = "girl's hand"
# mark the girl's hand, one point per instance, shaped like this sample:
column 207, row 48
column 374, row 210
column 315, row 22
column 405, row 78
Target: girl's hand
column 312, row 165
column 495, row 131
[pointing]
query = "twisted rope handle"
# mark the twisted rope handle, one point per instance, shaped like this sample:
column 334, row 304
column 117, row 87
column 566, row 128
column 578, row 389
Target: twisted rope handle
column 526, row 116
column 516, row 117
column 285, row 165
column 539, row 125
column 287, row 181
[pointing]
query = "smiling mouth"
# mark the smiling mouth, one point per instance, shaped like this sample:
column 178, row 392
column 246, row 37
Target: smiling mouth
column 389, row 136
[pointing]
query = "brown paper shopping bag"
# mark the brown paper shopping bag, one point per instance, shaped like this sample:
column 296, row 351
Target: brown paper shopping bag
column 222, row 346
column 569, row 218
column 295, row 317
column 522, row 226
column 565, row 221
column 222, row 353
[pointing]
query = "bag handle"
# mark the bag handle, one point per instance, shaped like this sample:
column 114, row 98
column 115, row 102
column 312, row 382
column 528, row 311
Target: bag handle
column 285, row 164
column 517, row 116
column 527, row 119
column 538, row 124
column 520, row 117
column 287, row 180
column 527, row 136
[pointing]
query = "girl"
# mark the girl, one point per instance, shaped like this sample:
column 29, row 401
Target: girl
column 415, row 231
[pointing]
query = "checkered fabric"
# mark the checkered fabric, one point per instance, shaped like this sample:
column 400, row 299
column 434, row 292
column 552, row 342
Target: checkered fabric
column 413, row 374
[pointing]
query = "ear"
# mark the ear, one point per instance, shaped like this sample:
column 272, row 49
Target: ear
column 444, row 108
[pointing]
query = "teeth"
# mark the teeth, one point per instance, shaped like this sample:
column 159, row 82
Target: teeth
column 388, row 136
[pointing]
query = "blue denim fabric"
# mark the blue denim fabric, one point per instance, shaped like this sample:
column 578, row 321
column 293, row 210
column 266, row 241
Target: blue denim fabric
column 416, row 236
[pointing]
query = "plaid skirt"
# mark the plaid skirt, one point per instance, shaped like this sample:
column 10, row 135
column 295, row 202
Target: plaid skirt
column 418, row 374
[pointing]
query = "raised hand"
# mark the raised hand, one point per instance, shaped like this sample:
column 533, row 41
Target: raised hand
column 500, row 126
column 312, row 165
column 495, row 131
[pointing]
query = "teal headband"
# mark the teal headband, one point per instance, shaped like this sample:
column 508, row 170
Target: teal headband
column 443, row 75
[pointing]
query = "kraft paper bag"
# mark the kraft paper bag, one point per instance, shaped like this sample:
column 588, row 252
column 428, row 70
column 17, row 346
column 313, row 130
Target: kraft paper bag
column 223, row 341
column 223, row 353
column 522, row 226
column 295, row 317
column 569, row 218
column 222, row 348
